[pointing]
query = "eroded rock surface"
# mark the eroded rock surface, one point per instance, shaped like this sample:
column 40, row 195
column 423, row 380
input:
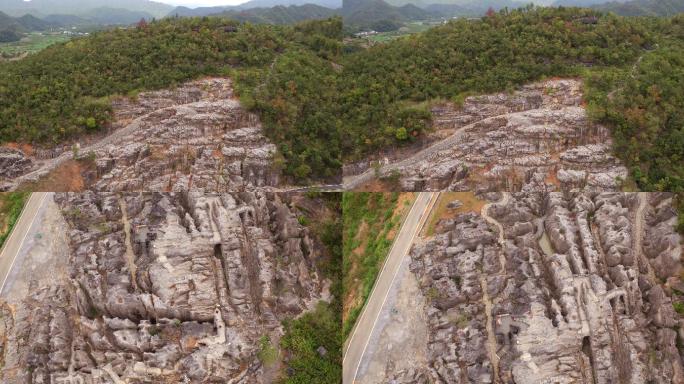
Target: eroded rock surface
column 13, row 163
column 166, row 288
column 538, row 138
column 196, row 137
column 578, row 288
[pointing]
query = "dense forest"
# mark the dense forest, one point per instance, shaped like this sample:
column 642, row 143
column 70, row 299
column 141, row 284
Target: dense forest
column 643, row 104
column 65, row 90
column 387, row 85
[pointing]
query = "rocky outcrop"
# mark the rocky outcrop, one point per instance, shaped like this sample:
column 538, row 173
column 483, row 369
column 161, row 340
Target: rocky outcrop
column 13, row 163
column 575, row 292
column 537, row 138
column 196, row 137
column 167, row 288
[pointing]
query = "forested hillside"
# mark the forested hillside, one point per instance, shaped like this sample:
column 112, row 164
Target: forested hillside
column 383, row 102
column 633, row 66
column 379, row 15
column 13, row 28
column 65, row 90
column 644, row 106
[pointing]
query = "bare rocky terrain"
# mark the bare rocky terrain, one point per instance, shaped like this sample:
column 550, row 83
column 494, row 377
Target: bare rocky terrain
column 554, row 288
column 537, row 138
column 165, row 288
column 195, row 137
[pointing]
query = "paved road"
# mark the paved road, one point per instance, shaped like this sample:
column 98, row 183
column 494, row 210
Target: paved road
column 358, row 341
column 12, row 246
column 356, row 181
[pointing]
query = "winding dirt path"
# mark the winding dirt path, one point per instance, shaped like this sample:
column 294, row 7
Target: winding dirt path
column 638, row 236
column 356, row 181
column 491, row 336
column 505, row 198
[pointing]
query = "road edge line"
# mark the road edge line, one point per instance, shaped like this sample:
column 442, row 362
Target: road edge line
column 9, row 270
column 429, row 207
column 384, row 264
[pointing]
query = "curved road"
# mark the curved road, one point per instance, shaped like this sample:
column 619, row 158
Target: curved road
column 360, row 336
column 12, row 246
column 355, row 181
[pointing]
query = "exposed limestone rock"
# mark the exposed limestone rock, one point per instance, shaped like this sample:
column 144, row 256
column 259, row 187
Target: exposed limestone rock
column 538, row 138
column 582, row 298
column 13, row 163
column 196, row 137
column 166, row 288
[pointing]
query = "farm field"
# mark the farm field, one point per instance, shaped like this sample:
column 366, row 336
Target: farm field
column 32, row 43
column 408, row 29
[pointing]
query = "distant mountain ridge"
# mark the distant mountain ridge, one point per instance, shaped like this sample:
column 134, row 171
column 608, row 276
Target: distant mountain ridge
column 109, row 16
column 367, row 12
column 251, row 5
column 24, row 23
column 453, row 4
column 280, row 14
column 644, row 7
column 581, row 3
column 14, row 28
column 41, row 8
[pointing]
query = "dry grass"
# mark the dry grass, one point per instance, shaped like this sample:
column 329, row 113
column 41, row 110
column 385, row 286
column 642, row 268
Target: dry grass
column 440, row 212
column 67, row 177
column 26, row 148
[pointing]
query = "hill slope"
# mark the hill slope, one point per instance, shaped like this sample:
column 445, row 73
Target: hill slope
column 386, row 85
column 64, row 91
column 13, row 28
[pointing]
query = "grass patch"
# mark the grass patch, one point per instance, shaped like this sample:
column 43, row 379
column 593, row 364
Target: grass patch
column 32, row 43
column 370, row 223
column 679, row 307
column 303, row 338
column 268, row 354
column 11, row 204
column 470, row 204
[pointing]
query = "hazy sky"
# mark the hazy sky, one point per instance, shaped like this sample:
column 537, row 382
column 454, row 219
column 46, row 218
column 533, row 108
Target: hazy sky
column 202, row 3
